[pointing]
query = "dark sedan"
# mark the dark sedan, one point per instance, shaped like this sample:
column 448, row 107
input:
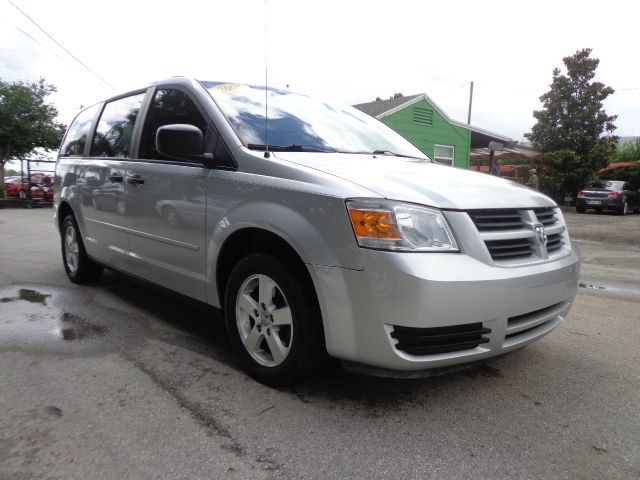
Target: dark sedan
column 614, row 195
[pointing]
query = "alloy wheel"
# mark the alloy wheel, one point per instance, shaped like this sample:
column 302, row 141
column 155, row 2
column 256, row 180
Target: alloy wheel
column 264, row 320
column 71, row 249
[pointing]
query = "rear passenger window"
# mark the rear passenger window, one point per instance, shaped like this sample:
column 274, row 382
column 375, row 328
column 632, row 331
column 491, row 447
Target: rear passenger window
column 169, row 106
column 115, row 128
column 76, row 138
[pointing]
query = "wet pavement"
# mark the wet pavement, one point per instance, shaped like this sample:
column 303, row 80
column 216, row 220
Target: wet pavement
column 117, row 381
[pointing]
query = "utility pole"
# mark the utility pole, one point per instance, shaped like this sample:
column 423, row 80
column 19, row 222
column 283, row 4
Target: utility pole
column 470, row 103
column 469, row 122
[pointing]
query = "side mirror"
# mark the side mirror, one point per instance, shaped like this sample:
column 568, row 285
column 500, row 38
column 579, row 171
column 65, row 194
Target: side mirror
column 180, row 141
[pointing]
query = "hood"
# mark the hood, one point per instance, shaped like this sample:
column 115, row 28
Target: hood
column 419, row 181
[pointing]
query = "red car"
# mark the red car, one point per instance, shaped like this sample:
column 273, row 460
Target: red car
column 40, row 186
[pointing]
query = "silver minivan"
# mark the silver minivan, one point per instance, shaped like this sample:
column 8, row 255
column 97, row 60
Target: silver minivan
column 317, row 229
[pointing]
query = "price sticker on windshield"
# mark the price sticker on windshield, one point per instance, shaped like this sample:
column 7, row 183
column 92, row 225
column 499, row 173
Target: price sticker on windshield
column 228, row 87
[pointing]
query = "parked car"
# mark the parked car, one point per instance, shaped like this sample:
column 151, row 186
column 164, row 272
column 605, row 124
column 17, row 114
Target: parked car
column 331, row 236
column 40, row 187
column 616, row 195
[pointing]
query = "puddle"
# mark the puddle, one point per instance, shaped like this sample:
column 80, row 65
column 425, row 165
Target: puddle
column 32, row 296
column 623, row 289
column 592, row 286
column 31, row 316
column 73, row 327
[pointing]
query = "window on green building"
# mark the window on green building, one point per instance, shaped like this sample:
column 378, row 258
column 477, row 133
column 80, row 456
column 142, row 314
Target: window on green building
column 443, row 154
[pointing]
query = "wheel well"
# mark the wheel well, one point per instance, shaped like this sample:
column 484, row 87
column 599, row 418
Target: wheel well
column 254, row 240
column 63, row 210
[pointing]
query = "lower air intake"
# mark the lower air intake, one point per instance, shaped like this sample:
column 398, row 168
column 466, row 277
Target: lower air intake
column 430, row 341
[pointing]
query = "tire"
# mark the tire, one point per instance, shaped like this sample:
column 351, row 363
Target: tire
column 276, row 350
column 79, row 267
column 624, row 209
column 22, row 195
column 580, row 209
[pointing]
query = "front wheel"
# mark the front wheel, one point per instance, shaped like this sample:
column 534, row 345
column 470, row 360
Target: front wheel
column 79, row 267
column 22, row 195
column 273, row 321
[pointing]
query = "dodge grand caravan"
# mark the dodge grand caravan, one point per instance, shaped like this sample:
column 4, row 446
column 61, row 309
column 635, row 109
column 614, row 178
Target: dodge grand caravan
column 318, row 230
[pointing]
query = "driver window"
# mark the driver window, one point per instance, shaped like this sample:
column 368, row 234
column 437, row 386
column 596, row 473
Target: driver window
column 169, row 106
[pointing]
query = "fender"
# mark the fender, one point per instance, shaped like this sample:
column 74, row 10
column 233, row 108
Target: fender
column 313, row 240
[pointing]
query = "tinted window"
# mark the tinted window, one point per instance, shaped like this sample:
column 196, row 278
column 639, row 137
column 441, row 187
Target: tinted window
column 607, row 185
column 115, row 128
column 78, row 132
column 169, row 106
column 298, row 120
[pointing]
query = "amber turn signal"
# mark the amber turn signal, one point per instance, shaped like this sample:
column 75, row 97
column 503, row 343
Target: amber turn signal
column 374, row 224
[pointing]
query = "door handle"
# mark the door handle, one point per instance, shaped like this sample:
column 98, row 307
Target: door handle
column 135, row 180
column 116, row 177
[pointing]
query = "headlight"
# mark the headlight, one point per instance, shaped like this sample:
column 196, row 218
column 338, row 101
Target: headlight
column 390, row 225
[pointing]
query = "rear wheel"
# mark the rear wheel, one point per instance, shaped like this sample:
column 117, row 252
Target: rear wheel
column 272, row 321
column 22, row 195
column 79, row 267
column 580, row 209
column 624, row 209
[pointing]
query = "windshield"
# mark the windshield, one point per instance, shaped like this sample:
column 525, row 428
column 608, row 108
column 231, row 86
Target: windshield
column 611, row 185
column 300, row 123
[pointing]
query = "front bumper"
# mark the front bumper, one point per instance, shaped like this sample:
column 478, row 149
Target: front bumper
column 425, row 290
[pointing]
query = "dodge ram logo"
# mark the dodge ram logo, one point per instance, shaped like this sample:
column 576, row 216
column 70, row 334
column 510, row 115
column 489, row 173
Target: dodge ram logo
column 541, row 235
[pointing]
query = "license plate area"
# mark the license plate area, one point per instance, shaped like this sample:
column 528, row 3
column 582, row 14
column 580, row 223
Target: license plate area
column 594, row 202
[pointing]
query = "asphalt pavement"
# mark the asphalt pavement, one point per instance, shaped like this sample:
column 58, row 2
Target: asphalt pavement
column 115, row 381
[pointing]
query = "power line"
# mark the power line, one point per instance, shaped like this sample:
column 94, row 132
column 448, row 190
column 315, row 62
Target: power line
column 41, row 44
column 60, row 45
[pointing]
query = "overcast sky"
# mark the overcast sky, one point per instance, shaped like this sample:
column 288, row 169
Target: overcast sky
column 349, row 51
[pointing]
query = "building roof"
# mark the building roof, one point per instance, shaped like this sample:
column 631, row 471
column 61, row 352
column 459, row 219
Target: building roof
column 614, row 166
column 510, row 152
column 381, row 108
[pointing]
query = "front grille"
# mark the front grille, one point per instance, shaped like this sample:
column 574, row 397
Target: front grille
column 546, row 216
column 512, row 248
column 510, row 234
column 554, row 242
column 430, row 341
column 492, row 220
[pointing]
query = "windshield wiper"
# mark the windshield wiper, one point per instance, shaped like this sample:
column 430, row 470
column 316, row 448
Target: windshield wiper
column 390, row 153
column 294, row 147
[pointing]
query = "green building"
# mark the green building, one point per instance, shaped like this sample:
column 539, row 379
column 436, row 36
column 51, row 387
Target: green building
column 423, row 123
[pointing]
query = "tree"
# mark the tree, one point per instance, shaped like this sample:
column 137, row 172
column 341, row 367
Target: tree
column 27, row 122
column 572, row 129
column 628, row 152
